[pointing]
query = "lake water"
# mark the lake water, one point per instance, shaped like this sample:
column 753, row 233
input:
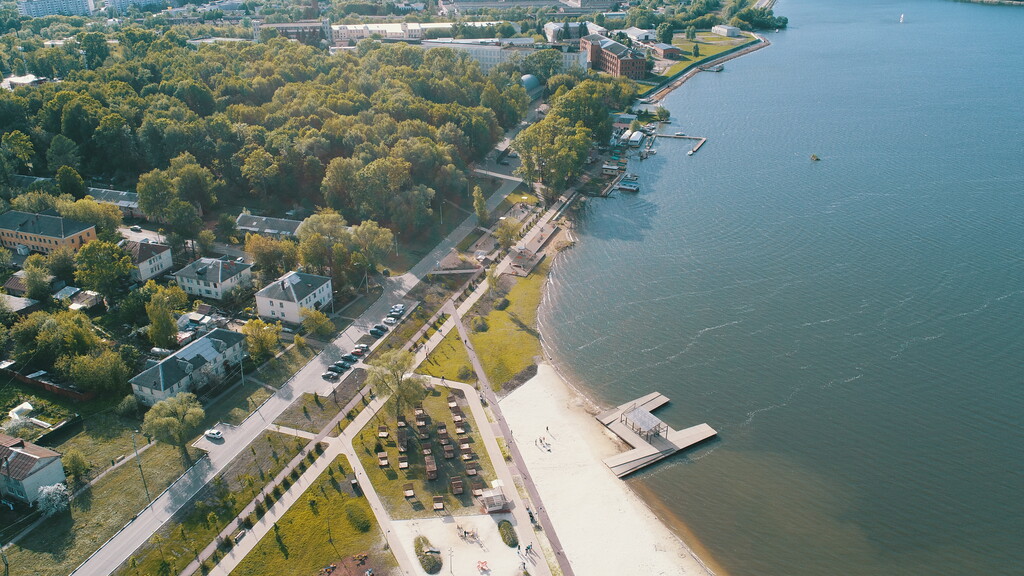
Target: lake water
column 854, row 327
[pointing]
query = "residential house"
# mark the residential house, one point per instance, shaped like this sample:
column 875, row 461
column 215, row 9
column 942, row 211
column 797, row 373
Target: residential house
column 25, row 231
column 20, row 306
column 126, row 202
column 212, row 277
column 15, row 285
column 282, row 299
column 150, row 259
column 192, row 368
column 612, row 57
column 25, row 468
column 266, row 226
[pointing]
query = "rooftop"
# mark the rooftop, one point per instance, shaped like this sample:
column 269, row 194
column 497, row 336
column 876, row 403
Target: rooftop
column 293, row 286
column 175, row 367
column 266, row 225
column 19, row 457
column 41, row 224
column 212, row 269
column 142, row 251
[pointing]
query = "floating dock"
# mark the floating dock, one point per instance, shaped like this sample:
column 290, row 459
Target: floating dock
column 652, row 440
column 700, row 141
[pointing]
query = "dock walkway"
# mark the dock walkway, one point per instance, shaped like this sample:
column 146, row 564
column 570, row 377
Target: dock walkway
column 657, row 442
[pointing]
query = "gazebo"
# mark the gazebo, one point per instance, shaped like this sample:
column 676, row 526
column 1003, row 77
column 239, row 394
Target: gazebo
column 644, row 423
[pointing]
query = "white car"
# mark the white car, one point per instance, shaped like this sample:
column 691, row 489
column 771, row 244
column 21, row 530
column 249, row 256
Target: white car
column 390, row 321
column 213, row 434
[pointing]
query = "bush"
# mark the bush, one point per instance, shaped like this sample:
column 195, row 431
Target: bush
column 431, row 563
column 508, row 534
column 479, row 324
column 501, row 304
column 128, row 407
column 358, row 517
column 465, row 373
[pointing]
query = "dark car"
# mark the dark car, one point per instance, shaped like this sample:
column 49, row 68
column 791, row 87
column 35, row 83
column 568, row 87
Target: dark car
column 380, row 327
column 329, row 376
column 396, row 314
column 343, row 364
column 335, row 369
column 350, row 358
column 376, row 333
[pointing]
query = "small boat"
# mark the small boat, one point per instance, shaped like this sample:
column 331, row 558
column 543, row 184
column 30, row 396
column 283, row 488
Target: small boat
column 680, row 134
column 901, row 18
column 652, row 151
column 628, row 187
column 690, row 153
column 630, row 177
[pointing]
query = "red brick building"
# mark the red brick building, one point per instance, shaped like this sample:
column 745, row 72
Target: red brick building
column 609, row 56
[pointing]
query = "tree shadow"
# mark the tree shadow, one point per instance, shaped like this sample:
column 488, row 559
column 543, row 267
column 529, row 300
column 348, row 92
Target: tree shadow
column 522, row 326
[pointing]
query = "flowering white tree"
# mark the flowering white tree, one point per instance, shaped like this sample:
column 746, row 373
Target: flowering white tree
column 53, row 499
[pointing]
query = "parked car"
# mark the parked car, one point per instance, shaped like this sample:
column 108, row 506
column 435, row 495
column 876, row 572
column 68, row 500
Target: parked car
column 380, row 327
column 135, row 228
column 376, row 333
column 213, row 434
column 335, row 369
column 343, row 364
column 363, row 347
column 358, row 352
column 350, row 358
column 329, row 376
column 398, row 307
column 390, row 320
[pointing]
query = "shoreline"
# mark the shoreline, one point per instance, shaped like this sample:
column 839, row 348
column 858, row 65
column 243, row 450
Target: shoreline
column 604, row 524
column 664, row 91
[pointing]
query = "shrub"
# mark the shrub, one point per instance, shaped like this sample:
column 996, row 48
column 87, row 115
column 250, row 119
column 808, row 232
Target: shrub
column 479, row 324
column 508, row 534
column 465, row 373
column 431, row 563
column 501, row 304
column 358, row 517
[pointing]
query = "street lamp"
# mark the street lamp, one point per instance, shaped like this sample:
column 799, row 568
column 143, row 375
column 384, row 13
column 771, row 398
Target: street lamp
column 139, row 462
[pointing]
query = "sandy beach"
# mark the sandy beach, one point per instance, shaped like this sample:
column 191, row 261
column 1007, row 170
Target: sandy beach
column 604, row 527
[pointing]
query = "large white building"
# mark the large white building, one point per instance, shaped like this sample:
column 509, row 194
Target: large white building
column 490, row 52
column 567, row 31
column 150, row 259
column 25, row 468
column 191, row 368
column 282, row 299
column 37, row 8
column 212, row 277
column 343, row 33
column 723, row 30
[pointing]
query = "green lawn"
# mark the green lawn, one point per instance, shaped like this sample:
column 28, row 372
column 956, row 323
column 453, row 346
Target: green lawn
column 191, row 530
column 104, row 437
column 711, row 45
column 237, row 404
column 448, row 359
column 511, row 340
column 517, row 195
column 278, row 370
column 65, row 541
column 311, row 412
column 469, row 240
column 317, row 531
column 389, row 481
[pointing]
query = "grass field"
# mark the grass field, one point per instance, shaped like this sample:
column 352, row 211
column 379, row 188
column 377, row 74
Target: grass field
column 449, row 360
column 710, row 45
column 511, row 341
column 63, row 542
column 318, row 531
column 388, row 481
column 193, row 527
column 236, row 406
column 311, row 412
column 278, row 370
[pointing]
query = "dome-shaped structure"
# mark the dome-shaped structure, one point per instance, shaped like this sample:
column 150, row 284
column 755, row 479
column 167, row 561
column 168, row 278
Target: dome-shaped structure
column 533, row 86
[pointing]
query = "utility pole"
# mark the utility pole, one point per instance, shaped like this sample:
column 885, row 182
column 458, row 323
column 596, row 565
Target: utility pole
column 6, row 567
column 139, row 462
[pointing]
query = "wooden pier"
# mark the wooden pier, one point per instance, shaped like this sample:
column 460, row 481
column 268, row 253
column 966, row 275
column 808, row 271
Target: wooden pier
column 652, row 440
column 700, row 141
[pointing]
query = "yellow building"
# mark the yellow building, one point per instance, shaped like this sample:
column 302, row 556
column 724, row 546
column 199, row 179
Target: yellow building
column 23, row 232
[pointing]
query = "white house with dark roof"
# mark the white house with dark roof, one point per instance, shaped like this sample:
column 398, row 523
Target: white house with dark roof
column 282, row 299
column 276, row 227
column 25, row 468
column 150, row 259
column 212, row 277
column 190, row 368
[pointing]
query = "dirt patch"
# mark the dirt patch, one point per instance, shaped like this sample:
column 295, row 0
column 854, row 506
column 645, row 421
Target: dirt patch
column 518, row 380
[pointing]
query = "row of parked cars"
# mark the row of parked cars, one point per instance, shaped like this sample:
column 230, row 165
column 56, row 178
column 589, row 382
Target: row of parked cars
column 334, row 371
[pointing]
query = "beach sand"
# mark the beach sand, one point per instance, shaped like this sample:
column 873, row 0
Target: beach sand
column 604, row 527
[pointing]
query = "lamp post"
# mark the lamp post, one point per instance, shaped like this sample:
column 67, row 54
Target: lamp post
column 139, row 462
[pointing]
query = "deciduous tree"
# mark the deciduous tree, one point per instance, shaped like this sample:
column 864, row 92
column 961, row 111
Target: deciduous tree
column 175, row 421
column 103, row 267
column 53, row 500
column 263, row 338
column 316, row 322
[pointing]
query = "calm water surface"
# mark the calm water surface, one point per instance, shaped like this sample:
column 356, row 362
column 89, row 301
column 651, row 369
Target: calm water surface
column 854, row 327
